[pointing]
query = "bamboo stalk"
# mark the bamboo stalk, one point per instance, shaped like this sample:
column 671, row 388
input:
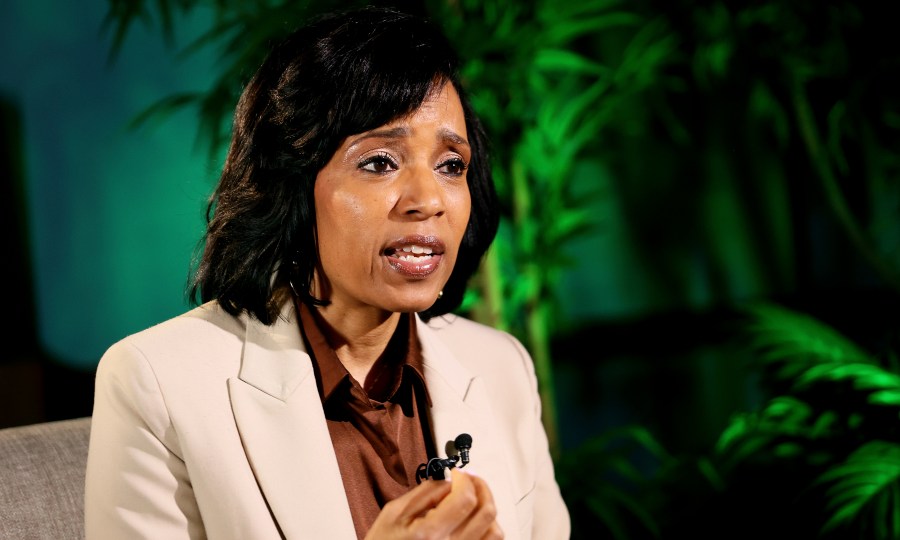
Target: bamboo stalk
column 539, row 339
column 492, row 291
column 537, row 323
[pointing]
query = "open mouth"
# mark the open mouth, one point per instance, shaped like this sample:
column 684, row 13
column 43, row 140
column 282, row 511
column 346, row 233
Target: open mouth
column 415, row 257
column 413, row 253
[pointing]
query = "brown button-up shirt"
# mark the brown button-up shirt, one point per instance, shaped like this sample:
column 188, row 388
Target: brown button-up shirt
column 379, row 429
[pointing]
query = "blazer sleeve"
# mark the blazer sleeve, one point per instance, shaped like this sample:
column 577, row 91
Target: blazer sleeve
column 136, row 484
column 551, row 520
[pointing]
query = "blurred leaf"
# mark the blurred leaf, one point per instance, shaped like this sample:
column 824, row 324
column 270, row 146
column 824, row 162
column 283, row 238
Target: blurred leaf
column 568, row 224
column 120, row 16
column 567, row 61
column 550, row 10
column 784, row 428
column 711, row 474
column 764, row 106
column 867, row 480
column 610, row 485
column 788, row 450
column 565, row 31
column 165, row 107
column 557, row 118
column 835, row 132
column 863, row 376
column 794, row 338
column 824, row 424
column 610, row 518
column 652, row 46
column 885, row 397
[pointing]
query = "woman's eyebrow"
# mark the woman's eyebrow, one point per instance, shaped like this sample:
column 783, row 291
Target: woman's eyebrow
column 389, row 133
column 399, row 132
column 448, row 134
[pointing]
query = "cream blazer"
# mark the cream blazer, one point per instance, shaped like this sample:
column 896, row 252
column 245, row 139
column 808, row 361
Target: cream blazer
column 211, row 426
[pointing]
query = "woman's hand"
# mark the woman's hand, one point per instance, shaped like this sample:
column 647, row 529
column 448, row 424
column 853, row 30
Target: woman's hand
column 461, row 509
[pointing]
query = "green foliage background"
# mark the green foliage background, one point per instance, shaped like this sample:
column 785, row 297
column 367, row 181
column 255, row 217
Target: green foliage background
column 700, row 245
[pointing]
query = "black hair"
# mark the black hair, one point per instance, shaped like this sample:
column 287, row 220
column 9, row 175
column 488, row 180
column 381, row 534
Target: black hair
column 341, row 74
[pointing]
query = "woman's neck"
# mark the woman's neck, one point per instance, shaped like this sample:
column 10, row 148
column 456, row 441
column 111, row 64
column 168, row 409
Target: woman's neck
column 358, row 338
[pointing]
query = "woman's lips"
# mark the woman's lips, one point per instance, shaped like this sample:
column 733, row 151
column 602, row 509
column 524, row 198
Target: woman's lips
column 415, row 256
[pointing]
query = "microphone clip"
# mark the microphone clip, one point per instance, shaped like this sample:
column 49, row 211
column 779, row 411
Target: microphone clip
column 435, row 466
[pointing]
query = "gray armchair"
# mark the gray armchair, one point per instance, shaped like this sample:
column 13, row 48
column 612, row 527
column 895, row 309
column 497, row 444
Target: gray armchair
column 42, row 480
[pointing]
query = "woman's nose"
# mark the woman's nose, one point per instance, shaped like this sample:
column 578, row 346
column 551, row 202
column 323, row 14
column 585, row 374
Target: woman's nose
column 421, row 194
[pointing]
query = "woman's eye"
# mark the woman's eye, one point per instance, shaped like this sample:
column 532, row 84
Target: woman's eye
column 453, row 167
column 378, row 164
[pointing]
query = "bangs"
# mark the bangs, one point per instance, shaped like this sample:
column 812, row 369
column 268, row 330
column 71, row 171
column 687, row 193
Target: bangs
column 380, row 67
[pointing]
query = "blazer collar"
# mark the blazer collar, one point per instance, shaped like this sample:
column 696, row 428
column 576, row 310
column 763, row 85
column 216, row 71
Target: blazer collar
column 461, row 404
column 279, row 415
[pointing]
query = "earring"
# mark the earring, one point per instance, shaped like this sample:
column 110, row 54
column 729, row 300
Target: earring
column 295, row 263
column 440, row 294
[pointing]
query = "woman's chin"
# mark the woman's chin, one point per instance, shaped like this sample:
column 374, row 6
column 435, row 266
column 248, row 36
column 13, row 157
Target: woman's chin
column 410, row 303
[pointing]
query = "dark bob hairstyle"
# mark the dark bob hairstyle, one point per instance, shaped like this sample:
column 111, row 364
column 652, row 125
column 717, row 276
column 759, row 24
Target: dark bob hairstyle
column 340, row 75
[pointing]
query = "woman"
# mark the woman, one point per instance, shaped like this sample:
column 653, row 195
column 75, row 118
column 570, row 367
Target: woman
column 324, row 369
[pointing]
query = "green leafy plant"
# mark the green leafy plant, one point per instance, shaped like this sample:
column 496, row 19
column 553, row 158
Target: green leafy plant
column 545, row 100
column 831, row 431
column 240, row 33
column 819, row 458
column 610, row 484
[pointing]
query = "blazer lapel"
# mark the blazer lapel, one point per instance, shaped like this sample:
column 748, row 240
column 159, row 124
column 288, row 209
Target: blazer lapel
column 279, row 415
column 460, row 404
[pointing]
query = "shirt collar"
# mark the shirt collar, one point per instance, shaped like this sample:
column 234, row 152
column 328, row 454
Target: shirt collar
column 332, row 373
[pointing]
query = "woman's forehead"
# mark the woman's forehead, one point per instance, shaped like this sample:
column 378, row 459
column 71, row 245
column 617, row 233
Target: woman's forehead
column 443, row 109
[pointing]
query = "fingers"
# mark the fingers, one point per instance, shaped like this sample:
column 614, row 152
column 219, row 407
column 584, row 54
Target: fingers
column 482, row 523
column 462, row 509
column 452, row 510
column 417, row 501
column 399, row 516
column 466, row 513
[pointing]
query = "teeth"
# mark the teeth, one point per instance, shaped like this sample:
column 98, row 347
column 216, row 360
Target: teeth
column 418, row 250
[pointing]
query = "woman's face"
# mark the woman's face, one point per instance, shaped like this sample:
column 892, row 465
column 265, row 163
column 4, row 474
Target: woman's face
column 392, row 206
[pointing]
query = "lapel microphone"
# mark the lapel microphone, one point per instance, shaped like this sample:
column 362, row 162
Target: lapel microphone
column 463, row 443
column 435, row 466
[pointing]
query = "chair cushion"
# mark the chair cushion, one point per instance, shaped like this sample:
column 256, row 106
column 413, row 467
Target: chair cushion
column 42, row 479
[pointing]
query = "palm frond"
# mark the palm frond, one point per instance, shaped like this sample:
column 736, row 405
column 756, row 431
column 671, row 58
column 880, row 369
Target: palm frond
column 603, row 474
column 164, row 108
column 882, row 385
column 794, row 341
column 864, row 487
column 122, row 14
column 784, row 428
column 119, row 18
